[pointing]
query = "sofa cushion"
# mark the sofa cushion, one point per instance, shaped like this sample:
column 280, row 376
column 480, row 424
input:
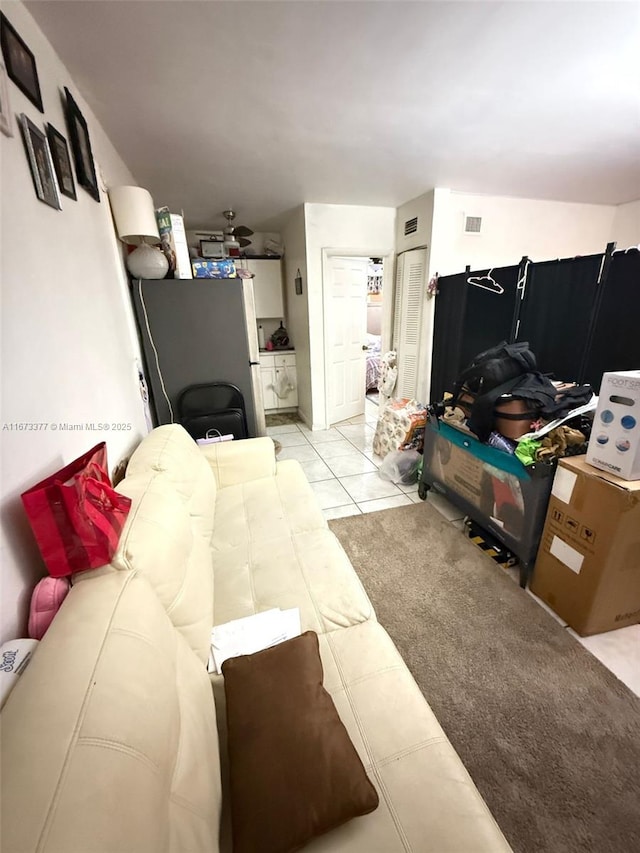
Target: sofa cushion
column 306, row 570
column 235, row 462
column 294, row 772
column 171, row 451
column 265, row 509
column 160, row 541
column 427, row 799
column 109, row 738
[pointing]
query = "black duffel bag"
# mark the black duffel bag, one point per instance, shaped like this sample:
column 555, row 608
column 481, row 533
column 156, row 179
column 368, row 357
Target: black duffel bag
column 494, row 367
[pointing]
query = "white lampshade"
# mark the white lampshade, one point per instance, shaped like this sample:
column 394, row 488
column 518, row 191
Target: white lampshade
column 134, row 215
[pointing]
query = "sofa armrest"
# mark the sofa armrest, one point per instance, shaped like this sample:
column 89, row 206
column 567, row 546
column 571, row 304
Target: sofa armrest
column 235, row 462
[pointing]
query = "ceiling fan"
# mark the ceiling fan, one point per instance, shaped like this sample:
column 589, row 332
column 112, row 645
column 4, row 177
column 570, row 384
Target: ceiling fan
column 237, row 233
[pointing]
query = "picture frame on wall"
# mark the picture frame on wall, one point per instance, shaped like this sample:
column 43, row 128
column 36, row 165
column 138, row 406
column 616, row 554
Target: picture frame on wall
column 20, row 62
column 81, row 147
column 61, row 162
column 40, row 162
column 6, row 120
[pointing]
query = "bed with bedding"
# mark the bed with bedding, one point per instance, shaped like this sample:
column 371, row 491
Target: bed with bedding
column 374, row 343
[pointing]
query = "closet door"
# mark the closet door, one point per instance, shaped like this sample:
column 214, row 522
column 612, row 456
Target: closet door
column 615, row 341
column 397, row 301
column 556, row 311
column 407, row 322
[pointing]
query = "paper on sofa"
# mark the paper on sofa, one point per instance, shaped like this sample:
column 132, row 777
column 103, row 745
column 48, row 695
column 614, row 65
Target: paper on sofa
column 252, row 634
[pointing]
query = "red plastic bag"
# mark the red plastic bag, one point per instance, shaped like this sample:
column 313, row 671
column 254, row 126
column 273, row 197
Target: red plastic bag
column 76, row 515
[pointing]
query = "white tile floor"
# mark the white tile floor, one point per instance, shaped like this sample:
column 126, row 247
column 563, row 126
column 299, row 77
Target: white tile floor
column 342, row 470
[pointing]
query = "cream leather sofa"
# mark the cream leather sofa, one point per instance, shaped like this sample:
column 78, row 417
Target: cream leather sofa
column 112, row 741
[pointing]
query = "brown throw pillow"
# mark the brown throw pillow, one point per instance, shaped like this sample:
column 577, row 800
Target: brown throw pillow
column 294, row 772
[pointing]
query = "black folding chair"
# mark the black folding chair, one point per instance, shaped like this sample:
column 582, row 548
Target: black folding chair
column 213, row 407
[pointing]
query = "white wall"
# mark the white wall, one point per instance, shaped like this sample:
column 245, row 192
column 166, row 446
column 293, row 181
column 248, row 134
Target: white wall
column 422, row 209
column 68, row 338
column 513, row 227
column 374, row 318
column 626, row 225
column 297, row 306
column 361, row 230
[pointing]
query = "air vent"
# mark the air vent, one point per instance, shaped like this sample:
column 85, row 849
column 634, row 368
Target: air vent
column 472, row 224
column 411, row 226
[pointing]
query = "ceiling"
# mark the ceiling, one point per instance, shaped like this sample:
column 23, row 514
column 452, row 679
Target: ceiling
column 264, row 105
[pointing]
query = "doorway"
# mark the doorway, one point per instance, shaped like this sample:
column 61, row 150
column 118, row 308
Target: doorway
column 357, row 324
column 375, row 289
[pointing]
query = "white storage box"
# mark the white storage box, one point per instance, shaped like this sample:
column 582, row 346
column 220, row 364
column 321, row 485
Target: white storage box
column 614, row 445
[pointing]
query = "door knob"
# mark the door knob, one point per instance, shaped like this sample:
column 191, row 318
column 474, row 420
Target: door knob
column 364, row 346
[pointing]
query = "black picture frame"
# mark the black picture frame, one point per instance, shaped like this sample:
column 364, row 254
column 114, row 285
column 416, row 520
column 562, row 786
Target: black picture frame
column 20, row 62
column 40, row 162
column 61, row 162
column 6, row 120
column 81, row 147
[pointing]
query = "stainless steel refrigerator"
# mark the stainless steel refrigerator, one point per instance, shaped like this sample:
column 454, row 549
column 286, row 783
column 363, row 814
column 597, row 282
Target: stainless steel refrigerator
column 197, row 331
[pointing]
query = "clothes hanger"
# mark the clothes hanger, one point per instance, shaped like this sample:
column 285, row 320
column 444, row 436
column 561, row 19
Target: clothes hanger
column 486, row 282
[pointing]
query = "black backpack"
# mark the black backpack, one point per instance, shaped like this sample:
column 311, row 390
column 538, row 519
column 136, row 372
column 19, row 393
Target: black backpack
column 497, row 371
column 494, row 367
column 510, row 369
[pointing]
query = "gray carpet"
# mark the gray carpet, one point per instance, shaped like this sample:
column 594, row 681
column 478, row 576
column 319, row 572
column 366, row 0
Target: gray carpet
column 549, row 735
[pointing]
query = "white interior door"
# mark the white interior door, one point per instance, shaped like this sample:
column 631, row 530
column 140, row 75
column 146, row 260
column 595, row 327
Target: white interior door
column 346, row 337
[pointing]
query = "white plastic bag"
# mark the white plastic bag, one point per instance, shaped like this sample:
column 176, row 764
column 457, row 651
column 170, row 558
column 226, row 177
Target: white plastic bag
column 284, row 384
column 388, row 374
column 401, row 466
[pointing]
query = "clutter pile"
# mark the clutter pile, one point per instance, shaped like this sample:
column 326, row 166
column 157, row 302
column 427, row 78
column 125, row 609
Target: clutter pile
column 399, row 439
column 400, row 427
column 503, row 400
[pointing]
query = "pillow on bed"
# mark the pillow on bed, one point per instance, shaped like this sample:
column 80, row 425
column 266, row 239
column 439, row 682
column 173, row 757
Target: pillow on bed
column 295, row 773
column 374, row 342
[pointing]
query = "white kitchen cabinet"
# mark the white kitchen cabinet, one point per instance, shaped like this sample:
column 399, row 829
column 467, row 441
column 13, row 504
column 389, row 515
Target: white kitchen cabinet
column 271, row 369
column 267, row 380
column 267, row 286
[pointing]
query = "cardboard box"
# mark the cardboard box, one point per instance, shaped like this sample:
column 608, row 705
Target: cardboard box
column 588, row 565
column 214, row 269
column 615, row 440
column 173, row 242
